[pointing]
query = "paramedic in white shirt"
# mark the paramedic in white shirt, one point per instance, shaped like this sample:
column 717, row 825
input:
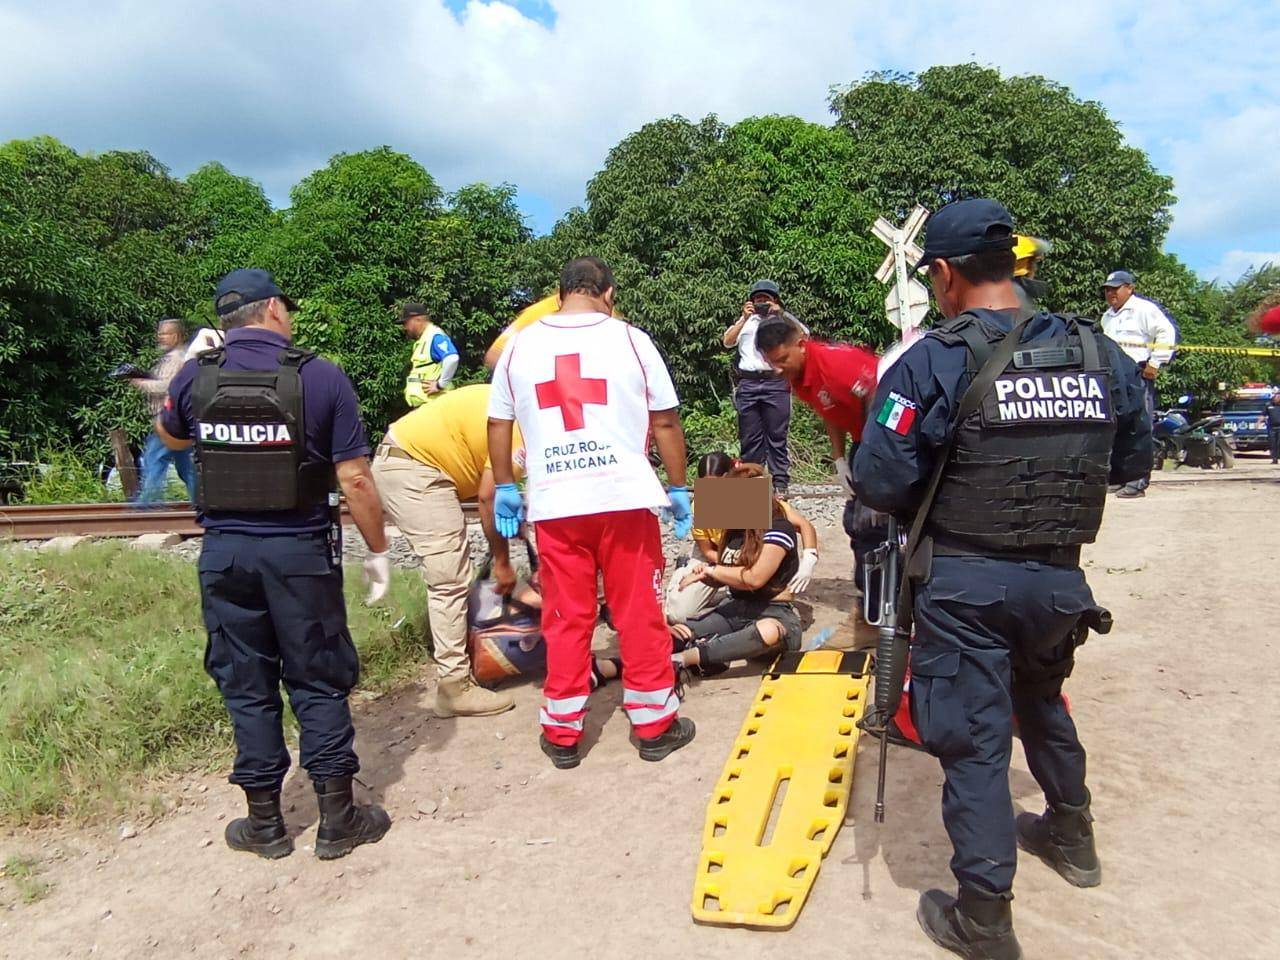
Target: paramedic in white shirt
column 589, row 391
column 1145, row 334
column 761, row 394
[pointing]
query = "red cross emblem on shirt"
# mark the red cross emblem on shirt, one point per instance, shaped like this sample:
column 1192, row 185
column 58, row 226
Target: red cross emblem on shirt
column 570, row 392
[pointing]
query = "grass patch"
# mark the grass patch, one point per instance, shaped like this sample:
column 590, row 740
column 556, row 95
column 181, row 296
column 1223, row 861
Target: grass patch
column 102, row 684
column 23, row 871
column 63, row 477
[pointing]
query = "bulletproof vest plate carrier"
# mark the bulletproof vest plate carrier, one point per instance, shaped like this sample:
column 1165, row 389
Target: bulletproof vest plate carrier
column 1029, row 467
column 250, row 437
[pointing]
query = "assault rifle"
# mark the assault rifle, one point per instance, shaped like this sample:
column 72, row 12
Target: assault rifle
column 884, row 571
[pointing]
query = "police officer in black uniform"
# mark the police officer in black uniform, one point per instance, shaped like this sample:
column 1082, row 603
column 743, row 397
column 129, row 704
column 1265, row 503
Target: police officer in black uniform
column 272, row 425
column 1007, row 480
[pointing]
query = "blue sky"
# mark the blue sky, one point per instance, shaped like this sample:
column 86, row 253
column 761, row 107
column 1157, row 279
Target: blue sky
column 534, row 92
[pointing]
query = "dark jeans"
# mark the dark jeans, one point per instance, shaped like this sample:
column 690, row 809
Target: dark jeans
column 1150, row 397
column 1273, row 440
column 764, row 417
column 984, row 629
column 275, row 613
column 729, row 632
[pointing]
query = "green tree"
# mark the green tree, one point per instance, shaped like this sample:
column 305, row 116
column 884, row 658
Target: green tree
column 94, row 250
column 689, row 214
column 1057, row 162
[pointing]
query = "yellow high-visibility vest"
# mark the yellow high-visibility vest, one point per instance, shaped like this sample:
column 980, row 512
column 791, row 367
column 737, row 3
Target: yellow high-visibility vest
column 423, row 369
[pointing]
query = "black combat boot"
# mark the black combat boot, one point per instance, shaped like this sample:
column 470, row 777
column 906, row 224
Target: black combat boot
column 262, row 832
column 343, row 824
column 974, row 926
column 1063, row 838
column 669, row 741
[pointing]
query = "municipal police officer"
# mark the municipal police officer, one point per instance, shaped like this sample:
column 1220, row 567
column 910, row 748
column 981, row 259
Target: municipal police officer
column 271, row 425
column 1011, row 478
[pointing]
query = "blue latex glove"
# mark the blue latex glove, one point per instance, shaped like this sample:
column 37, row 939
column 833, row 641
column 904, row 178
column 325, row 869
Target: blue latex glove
column 508, row 509
column 681, row 511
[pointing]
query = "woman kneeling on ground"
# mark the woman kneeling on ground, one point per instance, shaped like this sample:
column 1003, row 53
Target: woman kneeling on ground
column 757, row 619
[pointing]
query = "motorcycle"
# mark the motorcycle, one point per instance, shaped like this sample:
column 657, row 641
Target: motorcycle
column 1201, row 443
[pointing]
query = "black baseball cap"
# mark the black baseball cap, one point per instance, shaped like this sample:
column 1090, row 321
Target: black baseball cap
column 242, row 287
column 765, row 286
column 1118, row 278
column 412, row 310
column 965, row 227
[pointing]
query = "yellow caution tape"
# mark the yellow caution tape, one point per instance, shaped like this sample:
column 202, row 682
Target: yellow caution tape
column 1205, row 348
column 791, row 768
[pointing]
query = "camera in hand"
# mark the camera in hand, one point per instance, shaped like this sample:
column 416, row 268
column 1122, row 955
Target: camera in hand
column 762, row 309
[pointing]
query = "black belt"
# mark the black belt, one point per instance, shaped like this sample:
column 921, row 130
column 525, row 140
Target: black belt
column 759, row 375
column 1052, row 556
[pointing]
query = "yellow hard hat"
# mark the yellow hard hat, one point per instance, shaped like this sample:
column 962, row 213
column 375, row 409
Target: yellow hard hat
column 1027, row 249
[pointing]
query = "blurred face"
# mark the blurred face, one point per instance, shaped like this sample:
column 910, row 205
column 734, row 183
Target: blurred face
column 1117, row 296
column 788, row 358
column 414, row 326
column 168, row 336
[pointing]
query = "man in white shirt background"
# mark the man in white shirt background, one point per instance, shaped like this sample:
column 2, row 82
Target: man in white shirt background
column 588, row 390
column 1145, row 334
column 761, row 395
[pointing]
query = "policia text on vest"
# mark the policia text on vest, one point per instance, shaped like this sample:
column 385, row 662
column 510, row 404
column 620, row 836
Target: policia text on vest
column 1048, row 398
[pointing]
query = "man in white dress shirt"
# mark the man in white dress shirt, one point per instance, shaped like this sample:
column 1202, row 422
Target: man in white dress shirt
column 1146, row 335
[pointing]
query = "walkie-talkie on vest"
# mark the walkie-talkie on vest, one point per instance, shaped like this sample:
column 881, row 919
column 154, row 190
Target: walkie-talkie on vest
column 335, row 529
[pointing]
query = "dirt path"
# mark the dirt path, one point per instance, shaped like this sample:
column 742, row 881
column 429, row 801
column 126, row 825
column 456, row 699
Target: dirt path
column 495, row 854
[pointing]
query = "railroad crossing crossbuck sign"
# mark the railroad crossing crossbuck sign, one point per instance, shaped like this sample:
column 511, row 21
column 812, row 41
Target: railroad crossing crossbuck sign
column 896, row 270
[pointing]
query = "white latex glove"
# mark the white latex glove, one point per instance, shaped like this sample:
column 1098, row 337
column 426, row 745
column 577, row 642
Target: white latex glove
column 844, row 475
column 377, row 573
column 808, row 561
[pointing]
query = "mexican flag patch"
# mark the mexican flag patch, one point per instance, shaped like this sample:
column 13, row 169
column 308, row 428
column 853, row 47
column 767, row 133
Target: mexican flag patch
column 897, row 413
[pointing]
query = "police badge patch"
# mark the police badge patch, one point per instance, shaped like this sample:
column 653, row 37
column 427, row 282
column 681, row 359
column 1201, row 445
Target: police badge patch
column 1057, row 397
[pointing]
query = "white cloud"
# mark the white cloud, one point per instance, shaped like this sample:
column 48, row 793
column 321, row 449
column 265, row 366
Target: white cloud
column 274, row 89
column 1235, row 263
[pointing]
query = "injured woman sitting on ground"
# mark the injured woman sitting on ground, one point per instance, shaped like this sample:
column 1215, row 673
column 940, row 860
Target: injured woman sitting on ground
column 757, row 619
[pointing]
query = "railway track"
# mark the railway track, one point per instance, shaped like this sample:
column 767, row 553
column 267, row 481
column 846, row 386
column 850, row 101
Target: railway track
column 29, row 522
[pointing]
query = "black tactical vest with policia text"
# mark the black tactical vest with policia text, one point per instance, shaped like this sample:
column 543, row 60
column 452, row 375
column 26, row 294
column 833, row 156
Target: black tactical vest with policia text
column 1028, row 468
column 250, row 437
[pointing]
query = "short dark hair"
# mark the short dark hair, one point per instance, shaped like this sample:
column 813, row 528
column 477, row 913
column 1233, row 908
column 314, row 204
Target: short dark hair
column 244, row 316
column 586, row 275
column 714, row 464
column 412, row 310
column 774, row 332
column 987, row 266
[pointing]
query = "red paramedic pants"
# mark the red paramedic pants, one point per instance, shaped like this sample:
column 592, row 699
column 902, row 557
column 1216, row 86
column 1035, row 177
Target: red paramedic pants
column 626, row 546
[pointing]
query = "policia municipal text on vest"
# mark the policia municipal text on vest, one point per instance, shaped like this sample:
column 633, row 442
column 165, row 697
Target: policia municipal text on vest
column 250, row 437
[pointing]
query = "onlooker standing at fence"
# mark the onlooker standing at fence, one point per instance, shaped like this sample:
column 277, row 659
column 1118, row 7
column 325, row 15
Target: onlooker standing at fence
column 761, row 395
column 1146, row 335
column 156, row 457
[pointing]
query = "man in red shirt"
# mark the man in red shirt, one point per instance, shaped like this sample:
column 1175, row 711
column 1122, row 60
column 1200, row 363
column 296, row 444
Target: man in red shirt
column 838, row 381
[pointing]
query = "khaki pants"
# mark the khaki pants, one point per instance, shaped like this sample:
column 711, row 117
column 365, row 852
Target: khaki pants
column 424, row 504
column 695, row 599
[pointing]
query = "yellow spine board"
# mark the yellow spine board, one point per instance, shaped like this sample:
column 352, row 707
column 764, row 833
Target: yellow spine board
column 800, row 736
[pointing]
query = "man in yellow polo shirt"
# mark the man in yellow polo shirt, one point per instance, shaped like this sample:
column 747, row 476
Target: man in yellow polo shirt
column 429, row 461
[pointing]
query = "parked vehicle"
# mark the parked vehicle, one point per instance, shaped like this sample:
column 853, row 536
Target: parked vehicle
column 1201, row 443
column 1244, row 415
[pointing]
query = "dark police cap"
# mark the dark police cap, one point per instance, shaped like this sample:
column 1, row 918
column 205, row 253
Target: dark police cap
column 1119, row 278
column 412, row 310
column 765, row 286
column 965, row 227
column 242, row 287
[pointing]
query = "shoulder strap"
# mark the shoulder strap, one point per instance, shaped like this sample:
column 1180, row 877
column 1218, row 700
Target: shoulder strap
column 289, row 384
column 205, row 385
column 999, row 358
